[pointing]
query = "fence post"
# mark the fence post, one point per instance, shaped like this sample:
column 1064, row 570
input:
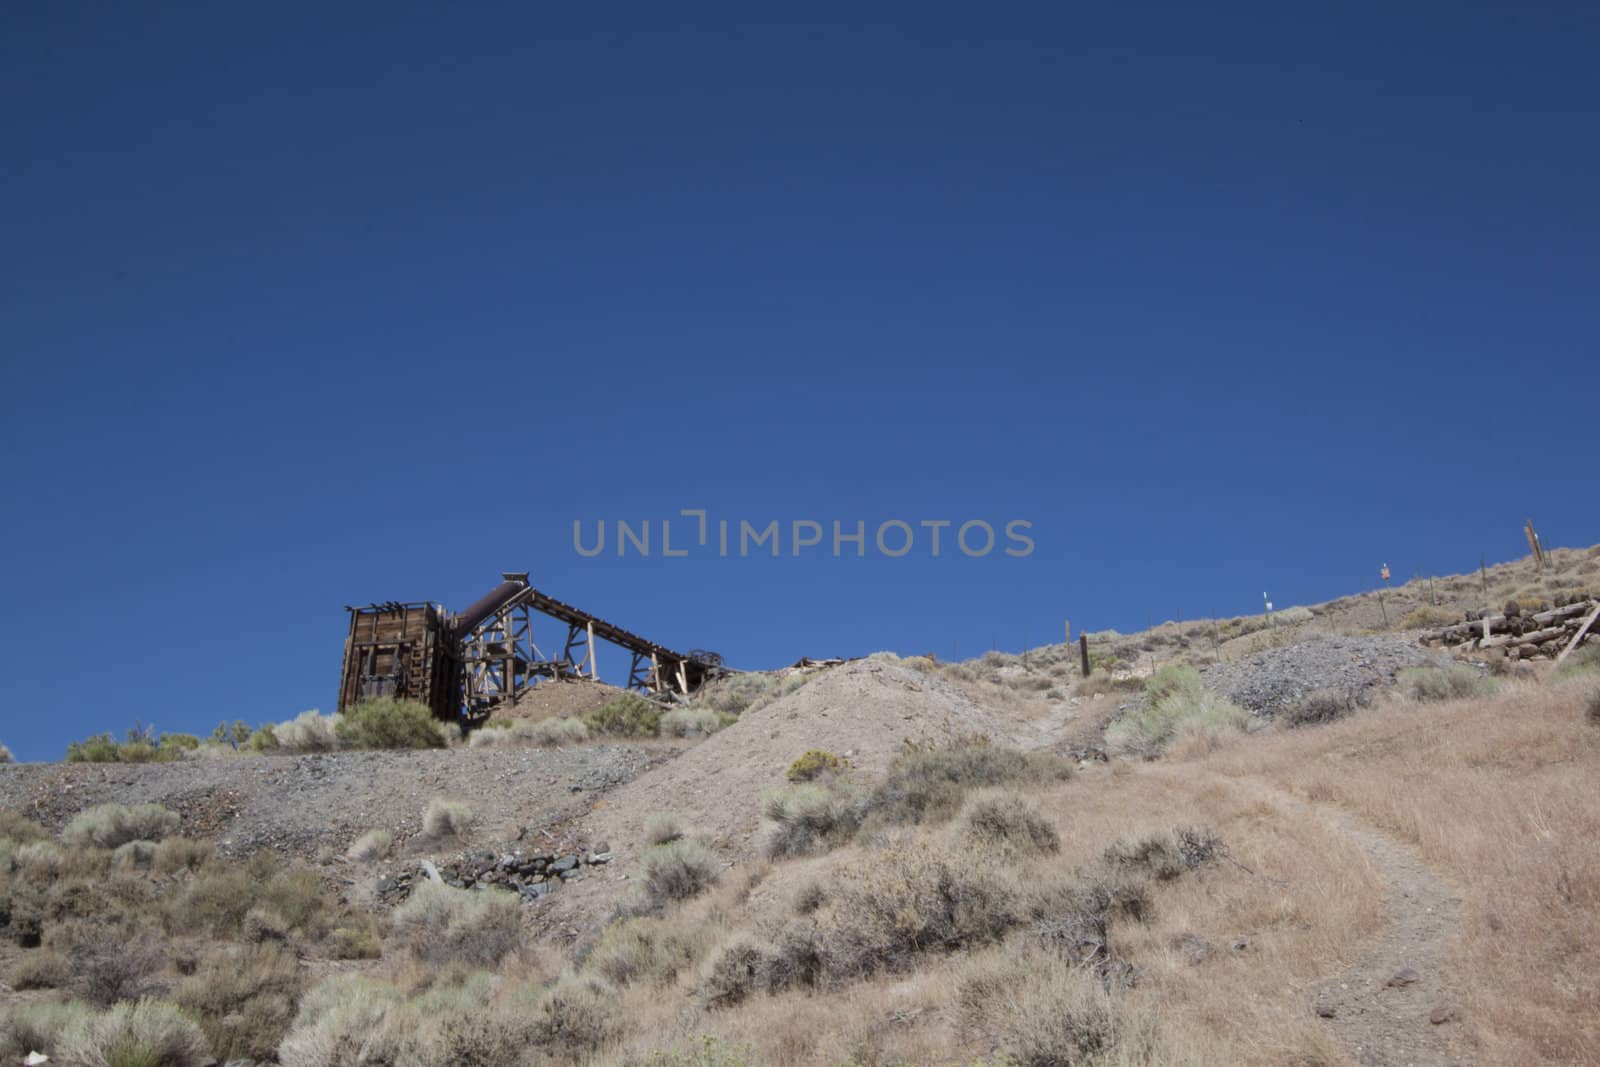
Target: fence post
column 1083, row 651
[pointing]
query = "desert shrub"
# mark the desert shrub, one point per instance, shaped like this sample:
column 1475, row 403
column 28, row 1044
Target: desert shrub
column 43, row 968
column 221, row 896
column 1591, row 707
column 440, row 924
column 358, row 940
column 263, row 738
column 1002, row 820
column 1165, row 854
column 1176, row 704
column 625, row 716
column 262, row 925
column 662, row 827
column 370, row 845
column 1453, row 682
column 701, row 1050
column 1323, row 706
column 694, row 722
column 577, row 1016
column 310, row 731
column 101, row 748
column 810, row 818
column 809, row 897
column 176, row 746
column 1585, row 659
column 20, row 829
column 1292, row 616
column 446, row 818
column 389, row 723
column 911, row 900
column 5, row 754
column 244, row 999
column 679, row 870
column 109, row 968
column 336, row 1022
column 926, row 783
column 41, row 1026
column 648, row 950
column 735, row 971
column 111, row 825
column 38, row 860
column 1425, row 617
column 738, row 694
column 148, row 1033
column 1104, row 682
column 814, row 764
column 1043, row 1012
column 134, row 855
column 182, row 854
column 546, row 733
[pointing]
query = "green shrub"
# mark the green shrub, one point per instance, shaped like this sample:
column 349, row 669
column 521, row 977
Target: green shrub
column 679, row 870
column 1454, row 682
column 263, row 739
column 111, row 825
column 1003, row 820
column 357, row 941
column 926, row 783
column 1176, row 704
column 648, row 950
column 101, row 748
column 439, row 924
column 244, row 999
column 337, row 1022
column 222, row 895
column 625, row 716
column 814, row 764
column 389, row 723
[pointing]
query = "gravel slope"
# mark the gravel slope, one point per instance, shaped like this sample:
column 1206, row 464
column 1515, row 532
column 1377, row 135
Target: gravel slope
column 1268, row 682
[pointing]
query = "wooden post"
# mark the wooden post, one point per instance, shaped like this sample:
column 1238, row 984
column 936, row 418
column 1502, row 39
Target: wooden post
column 655, row 673
column 1534, row 546
column 1583, row 629
column 683, row 678
column 1483, row 574
column 594, row 664
column 1083, row 651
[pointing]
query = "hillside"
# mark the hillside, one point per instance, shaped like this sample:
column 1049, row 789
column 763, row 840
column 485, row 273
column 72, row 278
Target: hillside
column 1329, row 846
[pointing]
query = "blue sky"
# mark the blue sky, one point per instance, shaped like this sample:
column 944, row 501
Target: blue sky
column 302, row 307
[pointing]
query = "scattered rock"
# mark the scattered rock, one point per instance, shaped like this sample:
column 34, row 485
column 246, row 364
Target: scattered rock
column 1404, row 976
column 1441, row 1014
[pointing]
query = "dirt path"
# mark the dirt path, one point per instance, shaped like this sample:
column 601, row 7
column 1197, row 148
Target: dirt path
column 1392, row 1009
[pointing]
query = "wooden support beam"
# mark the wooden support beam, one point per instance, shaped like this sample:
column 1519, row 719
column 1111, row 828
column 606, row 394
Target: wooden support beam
column 1582, row 629
column 594, row 666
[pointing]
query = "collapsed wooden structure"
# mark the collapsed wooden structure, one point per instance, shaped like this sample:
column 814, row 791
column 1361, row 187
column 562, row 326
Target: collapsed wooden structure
column 466, row 664
column 1554, row 633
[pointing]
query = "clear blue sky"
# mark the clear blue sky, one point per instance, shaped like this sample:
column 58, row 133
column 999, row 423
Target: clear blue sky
column 308, row 305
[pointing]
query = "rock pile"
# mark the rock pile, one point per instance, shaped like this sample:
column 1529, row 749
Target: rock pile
column 529, row 875
column 1270, row 682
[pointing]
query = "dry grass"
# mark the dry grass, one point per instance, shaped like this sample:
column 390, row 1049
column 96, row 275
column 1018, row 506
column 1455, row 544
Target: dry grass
column 1498, row 796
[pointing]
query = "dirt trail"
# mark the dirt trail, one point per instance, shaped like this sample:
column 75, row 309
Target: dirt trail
column 1392, row 1008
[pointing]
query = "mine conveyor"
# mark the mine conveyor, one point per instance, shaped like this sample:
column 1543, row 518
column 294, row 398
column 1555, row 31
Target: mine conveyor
column 464, row 665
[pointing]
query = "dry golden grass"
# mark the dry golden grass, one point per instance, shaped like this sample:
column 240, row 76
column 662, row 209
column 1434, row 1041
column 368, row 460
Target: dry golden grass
column 1498, row 796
